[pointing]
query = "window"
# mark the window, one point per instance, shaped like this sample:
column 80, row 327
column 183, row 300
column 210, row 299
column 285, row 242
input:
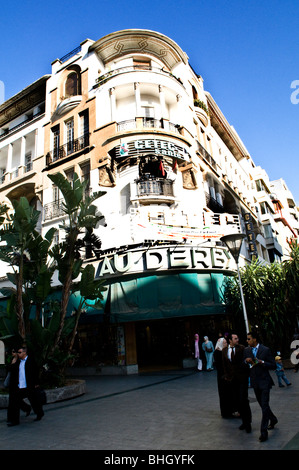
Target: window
column 69, row 174
column 28, row 162
column 268, row 231
column 85, row 176
column 72, row 85
column 55, row 142
column 142, row 63
column 148, row 112
column 70, row 136
column 84, row 129
column 56, row 194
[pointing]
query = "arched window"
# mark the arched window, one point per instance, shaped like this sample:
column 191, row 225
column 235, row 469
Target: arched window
column 72, row 85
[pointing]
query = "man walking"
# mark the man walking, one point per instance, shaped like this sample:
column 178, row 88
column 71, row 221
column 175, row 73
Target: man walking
column 23, row 384
column 236, row 372
column 261, row 361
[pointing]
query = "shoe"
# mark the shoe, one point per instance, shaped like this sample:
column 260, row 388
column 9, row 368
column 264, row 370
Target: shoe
column 39, row 417
column 263, row 437
column 247, row 427
column 289, row 384
column 28, row 413
column 272, row 424
column 12, row 424
column 281, row 385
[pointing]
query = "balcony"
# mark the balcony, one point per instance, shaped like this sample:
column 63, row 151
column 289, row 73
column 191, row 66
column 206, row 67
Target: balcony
column 133, row 68
column 67, row 149
column 158, row 190
column 52, row 210
column 27, row 120
column 206, row 157
column 213, row 204
column 147, row 123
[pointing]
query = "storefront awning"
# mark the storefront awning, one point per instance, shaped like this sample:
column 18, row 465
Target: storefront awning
column 166, row 296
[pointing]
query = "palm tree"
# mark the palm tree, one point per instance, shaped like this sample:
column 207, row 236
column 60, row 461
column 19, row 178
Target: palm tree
column 26, row 253
column 80, row 221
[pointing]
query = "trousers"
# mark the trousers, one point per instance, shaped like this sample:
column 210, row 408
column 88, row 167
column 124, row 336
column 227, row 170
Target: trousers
column 16, row 403
column 263, row 398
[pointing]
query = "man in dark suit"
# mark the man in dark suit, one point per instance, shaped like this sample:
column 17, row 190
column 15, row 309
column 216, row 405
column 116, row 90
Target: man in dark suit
column 237, row 372
column 260, row 360
column 23, row 384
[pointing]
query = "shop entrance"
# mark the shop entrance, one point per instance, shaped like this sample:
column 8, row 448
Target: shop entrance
column 160, row 343
column 163, row 344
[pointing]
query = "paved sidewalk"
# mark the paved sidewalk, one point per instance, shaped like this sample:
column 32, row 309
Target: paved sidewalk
column 171, row 410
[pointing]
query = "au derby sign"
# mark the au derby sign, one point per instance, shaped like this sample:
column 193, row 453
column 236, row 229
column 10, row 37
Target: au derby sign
column 174, row 257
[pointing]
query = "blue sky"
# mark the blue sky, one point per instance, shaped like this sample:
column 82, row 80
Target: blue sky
column 246, row 51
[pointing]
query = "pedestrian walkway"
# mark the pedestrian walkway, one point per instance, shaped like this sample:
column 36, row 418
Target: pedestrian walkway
column 170, row 410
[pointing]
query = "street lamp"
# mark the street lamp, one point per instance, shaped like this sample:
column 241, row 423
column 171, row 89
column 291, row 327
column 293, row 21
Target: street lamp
column 234, row 243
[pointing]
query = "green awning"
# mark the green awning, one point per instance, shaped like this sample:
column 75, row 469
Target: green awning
column 165, row 296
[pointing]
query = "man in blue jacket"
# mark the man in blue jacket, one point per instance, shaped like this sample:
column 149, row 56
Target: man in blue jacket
column 260, row 361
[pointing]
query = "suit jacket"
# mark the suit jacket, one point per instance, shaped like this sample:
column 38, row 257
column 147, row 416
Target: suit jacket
column 31, row 373
column 236, row 369
column 259, row 373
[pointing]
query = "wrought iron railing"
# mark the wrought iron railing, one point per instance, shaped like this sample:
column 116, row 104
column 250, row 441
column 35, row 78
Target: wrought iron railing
column 206, row 156
column 52, row 210
column 155, row 187
column 132, row 68
column 67, row 149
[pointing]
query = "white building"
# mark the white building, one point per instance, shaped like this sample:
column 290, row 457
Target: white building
column 129, row 114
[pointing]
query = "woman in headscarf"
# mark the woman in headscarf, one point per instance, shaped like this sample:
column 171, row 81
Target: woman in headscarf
column 196, row 352
column 208, row 348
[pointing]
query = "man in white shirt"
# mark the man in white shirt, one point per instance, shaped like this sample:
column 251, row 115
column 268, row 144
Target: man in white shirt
column 23, row 384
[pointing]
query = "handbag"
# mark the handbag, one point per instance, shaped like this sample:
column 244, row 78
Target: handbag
column 209, row 350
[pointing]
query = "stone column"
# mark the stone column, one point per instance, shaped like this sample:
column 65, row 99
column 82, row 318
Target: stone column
column 22, row 168
column 112, row 104
column 137, row 99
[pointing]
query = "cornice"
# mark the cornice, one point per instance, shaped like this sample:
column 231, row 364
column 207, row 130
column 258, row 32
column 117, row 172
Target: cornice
column 223, row 128
column 139, row 41
column 24, row 100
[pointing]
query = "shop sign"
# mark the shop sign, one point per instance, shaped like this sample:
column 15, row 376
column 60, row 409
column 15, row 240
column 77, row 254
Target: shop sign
column 165, row 258
column 151, row 146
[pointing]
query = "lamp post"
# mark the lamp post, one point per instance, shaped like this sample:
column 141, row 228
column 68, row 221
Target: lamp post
column 234, row 243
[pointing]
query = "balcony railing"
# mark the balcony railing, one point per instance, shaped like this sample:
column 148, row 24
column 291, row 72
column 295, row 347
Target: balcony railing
column 147, row 123
column 67, row 149
column 27, row 121
column 155, row 187
column 206, row 156
column 213, row 204
column 133, row 68
column 52, row 210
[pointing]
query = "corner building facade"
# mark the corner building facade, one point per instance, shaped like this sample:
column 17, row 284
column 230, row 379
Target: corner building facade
column 129, row 115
